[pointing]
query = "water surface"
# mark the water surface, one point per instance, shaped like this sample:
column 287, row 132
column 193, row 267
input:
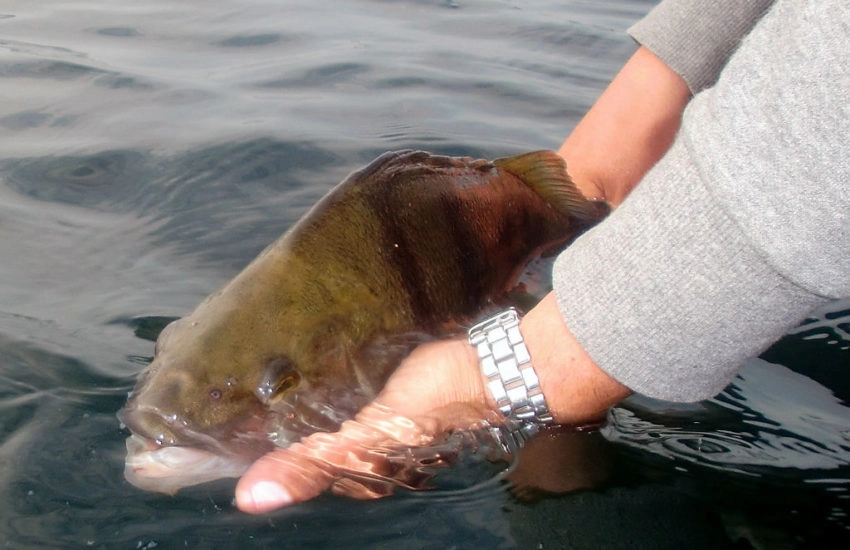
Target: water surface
column 150, row 150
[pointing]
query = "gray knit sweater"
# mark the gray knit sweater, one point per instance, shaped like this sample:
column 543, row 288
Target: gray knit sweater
column 744, row 226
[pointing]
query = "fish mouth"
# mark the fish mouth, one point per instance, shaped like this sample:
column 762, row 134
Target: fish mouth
column 163, row 430
column 151, row 467
column 165, row 455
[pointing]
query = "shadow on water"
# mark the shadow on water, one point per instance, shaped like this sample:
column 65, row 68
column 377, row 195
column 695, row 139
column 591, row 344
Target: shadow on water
column 219, row 202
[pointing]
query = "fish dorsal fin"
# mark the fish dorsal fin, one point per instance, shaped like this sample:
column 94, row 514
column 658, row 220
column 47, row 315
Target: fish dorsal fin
column 546, row 173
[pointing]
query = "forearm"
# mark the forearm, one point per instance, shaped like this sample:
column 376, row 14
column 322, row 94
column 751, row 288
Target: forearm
column 738, row 232
column 684, row 45
column 680, row 297
column 628, row 129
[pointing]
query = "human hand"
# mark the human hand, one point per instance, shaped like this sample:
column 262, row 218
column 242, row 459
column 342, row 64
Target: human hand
column 436, row 389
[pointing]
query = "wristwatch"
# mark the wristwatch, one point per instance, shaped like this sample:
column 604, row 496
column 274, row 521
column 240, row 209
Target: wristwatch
column 511, row 379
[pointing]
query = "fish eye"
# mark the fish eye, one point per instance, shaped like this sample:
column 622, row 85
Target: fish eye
column 286, row 383
column 215, row 394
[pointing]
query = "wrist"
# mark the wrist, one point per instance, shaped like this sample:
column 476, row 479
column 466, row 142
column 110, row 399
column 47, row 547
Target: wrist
column 577, row 390
column 510, row 377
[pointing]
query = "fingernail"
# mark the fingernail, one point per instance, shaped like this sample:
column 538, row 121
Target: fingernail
column 269, row 495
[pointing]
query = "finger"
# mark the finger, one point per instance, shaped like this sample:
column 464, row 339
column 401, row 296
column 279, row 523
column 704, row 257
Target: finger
column 282, row 477
column 306, row 469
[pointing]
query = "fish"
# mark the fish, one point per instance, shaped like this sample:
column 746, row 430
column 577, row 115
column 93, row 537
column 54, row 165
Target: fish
column 413, row 247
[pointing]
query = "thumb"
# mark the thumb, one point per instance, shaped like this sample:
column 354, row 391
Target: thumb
column 286, row 476
column 306, row 469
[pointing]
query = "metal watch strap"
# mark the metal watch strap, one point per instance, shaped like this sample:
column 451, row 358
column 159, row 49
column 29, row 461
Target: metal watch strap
column 511, row 379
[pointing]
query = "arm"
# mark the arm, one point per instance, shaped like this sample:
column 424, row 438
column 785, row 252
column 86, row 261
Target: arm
column 738, row 232
column 439, row 387
column 696, row 38
column 684, row 45
column 627, row 130
column 669, row 294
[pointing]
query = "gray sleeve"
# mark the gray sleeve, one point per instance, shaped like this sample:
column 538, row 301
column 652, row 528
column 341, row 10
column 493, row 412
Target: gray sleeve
column 696, row 37
column 739, row 231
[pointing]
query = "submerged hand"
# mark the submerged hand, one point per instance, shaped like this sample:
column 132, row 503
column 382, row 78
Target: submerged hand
column 436, row 389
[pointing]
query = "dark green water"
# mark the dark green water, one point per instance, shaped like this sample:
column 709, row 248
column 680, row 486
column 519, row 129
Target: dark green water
column 150, row 150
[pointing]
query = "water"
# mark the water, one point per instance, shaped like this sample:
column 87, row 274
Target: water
column 150, row 150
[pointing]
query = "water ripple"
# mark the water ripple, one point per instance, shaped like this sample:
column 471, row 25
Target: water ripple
column 781, row 423
column 772, row 420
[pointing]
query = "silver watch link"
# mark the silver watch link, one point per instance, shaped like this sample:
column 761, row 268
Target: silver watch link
column 511, row 379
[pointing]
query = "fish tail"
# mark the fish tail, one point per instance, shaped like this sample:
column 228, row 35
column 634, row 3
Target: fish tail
column 546, row 173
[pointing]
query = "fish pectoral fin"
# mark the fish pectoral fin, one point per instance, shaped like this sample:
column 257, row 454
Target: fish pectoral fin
column 279, row 376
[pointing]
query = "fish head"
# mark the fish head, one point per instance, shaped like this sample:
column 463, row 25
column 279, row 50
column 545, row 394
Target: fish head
column 227, row 384
column 211, row 389
column 259, row 363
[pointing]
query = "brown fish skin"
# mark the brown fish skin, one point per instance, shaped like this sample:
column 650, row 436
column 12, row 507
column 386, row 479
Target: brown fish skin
column 410, row 247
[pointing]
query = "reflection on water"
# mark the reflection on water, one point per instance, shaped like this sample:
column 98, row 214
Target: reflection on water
column 150, row 150
column 770, row 417
column 772, row 428
column 219, row 203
